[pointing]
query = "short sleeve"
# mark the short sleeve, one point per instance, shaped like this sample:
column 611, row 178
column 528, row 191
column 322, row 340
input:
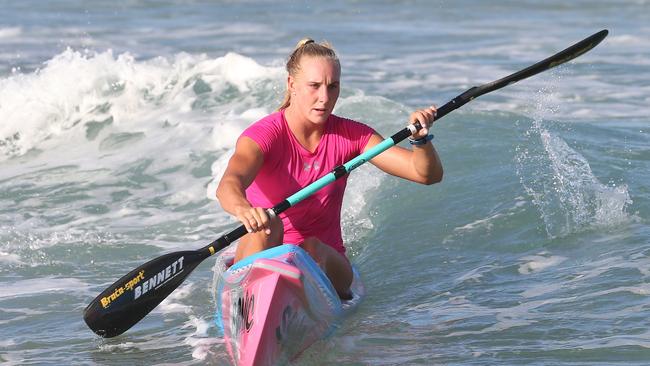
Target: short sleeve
column 264, row 132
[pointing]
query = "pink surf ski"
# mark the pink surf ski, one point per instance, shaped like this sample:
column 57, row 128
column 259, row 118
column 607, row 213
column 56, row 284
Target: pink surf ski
column 273, row 305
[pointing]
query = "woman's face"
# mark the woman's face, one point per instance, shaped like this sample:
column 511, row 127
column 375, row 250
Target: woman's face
column 315, row 88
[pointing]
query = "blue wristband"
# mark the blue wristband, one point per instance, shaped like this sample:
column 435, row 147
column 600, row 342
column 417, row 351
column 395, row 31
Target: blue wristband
column 421, row 141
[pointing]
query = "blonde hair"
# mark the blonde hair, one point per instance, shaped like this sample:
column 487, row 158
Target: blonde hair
column 306, row 47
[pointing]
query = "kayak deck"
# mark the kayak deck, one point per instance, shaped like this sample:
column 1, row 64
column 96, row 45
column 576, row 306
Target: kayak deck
column 274, row 304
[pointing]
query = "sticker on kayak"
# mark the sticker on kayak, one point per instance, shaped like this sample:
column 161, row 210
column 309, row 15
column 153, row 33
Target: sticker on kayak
column 242, row 318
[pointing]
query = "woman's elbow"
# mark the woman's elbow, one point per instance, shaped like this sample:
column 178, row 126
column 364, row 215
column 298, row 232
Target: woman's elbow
column 433, row 178
column 219, row 193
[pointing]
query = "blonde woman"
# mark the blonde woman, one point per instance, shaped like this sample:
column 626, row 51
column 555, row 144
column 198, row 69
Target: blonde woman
column 291, row 148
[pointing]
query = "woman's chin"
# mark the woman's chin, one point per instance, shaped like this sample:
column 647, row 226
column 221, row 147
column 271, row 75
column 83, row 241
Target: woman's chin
column 319, row 117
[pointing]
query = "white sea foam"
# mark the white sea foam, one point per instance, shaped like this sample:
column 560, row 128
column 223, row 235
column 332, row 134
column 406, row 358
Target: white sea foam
column 201, row 342
column 519, row 315
column 19, row 314
column 10, row 32
column 628, row 39
column 30, row 238
column 35, row 286
column 540, row 262
column 458, row 309
column 158, row 121
column 173, row 303
column 486, row 224
column 561, row 183
column 10, row 258
column 158, row 97
column 475, row 275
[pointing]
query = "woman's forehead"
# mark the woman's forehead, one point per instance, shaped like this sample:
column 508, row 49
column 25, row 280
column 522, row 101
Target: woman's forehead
column 315, row 65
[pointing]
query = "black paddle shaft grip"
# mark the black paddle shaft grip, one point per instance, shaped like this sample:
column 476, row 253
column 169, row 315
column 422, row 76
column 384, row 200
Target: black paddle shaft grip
column 240, row 231
column 440, row 112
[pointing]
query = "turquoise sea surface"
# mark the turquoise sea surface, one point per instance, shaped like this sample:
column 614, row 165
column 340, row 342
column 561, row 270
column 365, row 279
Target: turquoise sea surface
column 117, row 120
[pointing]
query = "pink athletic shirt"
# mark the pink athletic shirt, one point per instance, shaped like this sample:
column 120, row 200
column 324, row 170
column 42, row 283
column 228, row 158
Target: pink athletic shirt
column 288, row 167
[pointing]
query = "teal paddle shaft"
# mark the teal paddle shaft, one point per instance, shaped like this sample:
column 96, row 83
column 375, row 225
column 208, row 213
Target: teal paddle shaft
column 132, row 297
column 338, row 172
column 330, row 177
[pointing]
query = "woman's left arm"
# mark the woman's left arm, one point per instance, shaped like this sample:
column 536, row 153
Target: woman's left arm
column 422, row 164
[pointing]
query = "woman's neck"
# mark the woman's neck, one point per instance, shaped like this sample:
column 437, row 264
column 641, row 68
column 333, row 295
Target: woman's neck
column 306, row 132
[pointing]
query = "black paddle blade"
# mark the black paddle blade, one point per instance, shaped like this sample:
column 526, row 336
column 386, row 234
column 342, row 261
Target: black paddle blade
column 133, row 296
column 557, row 59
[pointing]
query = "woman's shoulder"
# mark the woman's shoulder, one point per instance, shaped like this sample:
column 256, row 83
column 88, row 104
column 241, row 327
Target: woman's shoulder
column 343, row 120
column 266, row 131
column 271, row 124
column 350, row 126
column 274, row 119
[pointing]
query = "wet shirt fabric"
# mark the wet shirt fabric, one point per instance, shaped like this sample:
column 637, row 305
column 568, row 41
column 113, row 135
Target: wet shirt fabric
column 288, row 167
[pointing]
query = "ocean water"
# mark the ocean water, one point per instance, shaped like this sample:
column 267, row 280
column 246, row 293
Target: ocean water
column 117, row 120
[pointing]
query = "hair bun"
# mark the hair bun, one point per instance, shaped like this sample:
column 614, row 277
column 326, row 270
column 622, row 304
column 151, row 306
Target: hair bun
column 304, row 41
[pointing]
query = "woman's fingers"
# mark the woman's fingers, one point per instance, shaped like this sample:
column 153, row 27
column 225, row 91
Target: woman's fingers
column 425, row 117
column 255, row 219
column 265, row 222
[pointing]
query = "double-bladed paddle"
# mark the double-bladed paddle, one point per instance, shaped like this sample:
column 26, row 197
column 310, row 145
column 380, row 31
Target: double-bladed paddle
column 133, row 296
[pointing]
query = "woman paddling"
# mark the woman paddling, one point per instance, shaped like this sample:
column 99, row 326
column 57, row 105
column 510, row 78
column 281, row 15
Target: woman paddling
column 291, row 148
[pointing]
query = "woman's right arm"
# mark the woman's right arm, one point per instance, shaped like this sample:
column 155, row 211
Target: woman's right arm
column 242, row 168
